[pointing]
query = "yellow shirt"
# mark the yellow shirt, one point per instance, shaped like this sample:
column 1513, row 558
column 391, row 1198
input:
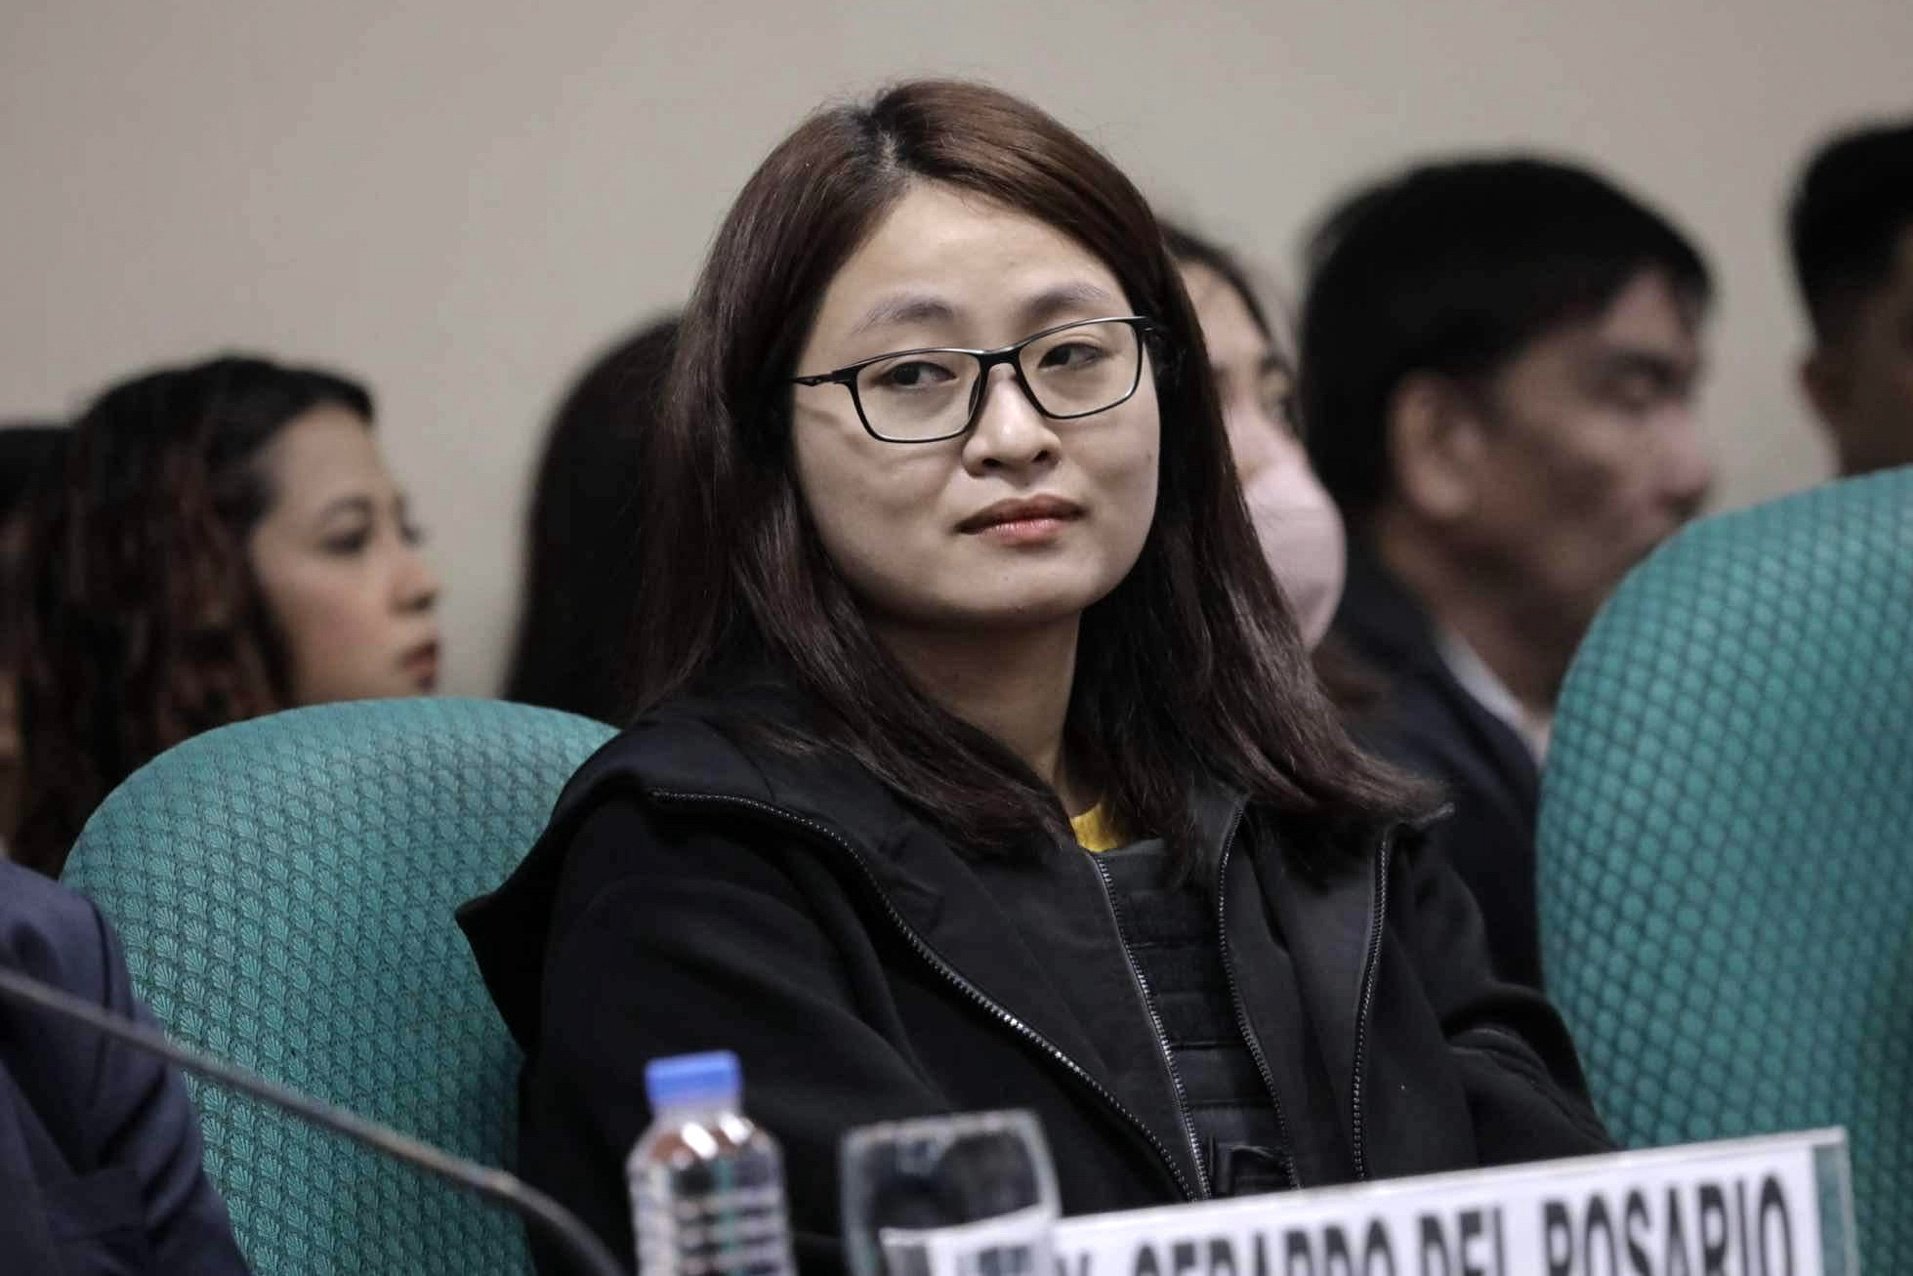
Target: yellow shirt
column 1093, row 830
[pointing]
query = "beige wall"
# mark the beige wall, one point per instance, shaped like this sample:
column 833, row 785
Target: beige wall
column 461, row 199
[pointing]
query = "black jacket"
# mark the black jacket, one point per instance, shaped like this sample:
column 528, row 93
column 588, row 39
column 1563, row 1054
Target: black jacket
column 696, row 892
column 1429, row 723
column 99, row 1146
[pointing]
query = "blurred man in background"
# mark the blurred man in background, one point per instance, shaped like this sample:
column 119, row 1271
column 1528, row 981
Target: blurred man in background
column 1498, row 369
column 1851, row 229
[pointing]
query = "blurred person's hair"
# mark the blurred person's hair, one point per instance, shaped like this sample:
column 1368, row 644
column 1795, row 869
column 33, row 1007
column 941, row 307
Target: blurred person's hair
column 1188, row 248
column 581, row 604
column 1191, row 668
column 1456, row 268
column 29, row 452
column 146, row 625
column 30, row 455
column 1851, row 210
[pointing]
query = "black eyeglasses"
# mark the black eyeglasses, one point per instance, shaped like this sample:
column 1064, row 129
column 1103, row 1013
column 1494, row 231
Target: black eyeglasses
column 925, row 396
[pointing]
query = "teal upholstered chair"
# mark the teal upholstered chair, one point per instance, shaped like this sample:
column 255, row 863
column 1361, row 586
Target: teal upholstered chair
column 1726, row 839
column 285, row 891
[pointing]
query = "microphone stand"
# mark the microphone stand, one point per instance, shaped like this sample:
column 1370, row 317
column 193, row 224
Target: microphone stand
column 495, row 1186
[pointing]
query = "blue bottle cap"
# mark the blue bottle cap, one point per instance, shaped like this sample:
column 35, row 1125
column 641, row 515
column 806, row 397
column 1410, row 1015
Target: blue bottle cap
column 711, row 1079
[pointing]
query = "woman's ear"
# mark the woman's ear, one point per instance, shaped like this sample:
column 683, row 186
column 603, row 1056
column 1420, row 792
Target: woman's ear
column 1435, row 447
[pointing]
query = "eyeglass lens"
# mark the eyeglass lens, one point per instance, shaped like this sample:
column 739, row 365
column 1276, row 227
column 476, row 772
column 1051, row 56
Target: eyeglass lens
column 933, row 394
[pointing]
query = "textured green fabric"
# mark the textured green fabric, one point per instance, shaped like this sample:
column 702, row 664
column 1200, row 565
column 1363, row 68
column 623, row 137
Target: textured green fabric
column 1726, row 836
column 285, row 890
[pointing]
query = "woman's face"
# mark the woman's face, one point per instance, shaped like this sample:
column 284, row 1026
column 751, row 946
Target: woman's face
column 1296, row 522
column 339, row 565
column 1024, row 520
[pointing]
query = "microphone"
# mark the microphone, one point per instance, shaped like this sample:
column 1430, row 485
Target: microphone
column 496, row 1186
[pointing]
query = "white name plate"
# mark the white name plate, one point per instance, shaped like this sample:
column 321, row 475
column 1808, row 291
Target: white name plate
column 1778, row 1206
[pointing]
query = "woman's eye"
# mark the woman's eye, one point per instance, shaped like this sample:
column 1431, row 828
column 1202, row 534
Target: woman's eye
column 914, row 374
column 1275, row 391
column 1281, row 411
column 1072, row 354
column 346, row 544
column 412, row 533
column 1276, row 398
column 1636, row 396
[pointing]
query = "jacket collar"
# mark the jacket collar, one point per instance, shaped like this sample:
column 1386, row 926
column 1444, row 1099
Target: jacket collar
column 1381, row 617
column 1393, row 631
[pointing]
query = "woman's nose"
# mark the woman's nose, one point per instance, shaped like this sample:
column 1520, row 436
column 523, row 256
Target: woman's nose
column 1009, row 429
column 418, row 584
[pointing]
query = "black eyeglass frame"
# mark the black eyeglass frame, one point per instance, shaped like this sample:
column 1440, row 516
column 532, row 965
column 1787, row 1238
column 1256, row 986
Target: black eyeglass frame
column 1145, row 328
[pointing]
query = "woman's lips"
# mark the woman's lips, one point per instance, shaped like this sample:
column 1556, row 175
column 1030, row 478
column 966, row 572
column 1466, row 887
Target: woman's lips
column 1025, row 531
column 1029, row 521
column 421, row 665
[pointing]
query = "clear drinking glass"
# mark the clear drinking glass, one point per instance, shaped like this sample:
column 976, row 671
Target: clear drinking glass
column 972, row 1194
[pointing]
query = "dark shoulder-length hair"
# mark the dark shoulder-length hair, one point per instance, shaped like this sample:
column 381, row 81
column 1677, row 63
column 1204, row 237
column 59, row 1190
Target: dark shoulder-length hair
column 581, row 598
column 145, row 623
column 1191, row 669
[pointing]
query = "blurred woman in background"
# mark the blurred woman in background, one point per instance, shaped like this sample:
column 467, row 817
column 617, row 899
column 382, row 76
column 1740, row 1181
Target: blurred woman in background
column 575, row 620
column 1296, row 521
column 224, row 541
column 1298, row 526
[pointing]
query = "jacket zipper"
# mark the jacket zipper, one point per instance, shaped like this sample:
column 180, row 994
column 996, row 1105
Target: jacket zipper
column 1241, row 1012
column 1366, row 1004
column 1162, row 1037
column 949, row 972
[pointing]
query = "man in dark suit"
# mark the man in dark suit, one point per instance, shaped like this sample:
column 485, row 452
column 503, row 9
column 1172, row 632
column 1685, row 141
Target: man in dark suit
column 99, row 1145
column 1498, row 366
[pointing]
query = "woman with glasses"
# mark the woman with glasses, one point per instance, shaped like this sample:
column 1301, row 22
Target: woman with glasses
column 981, row 765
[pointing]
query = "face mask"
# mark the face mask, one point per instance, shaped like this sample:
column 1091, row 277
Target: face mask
column 1301, row 532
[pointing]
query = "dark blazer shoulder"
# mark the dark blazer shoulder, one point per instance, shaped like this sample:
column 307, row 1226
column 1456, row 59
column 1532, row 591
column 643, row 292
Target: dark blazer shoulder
column 59, row 937
column 105, row 1135
column 52, row 933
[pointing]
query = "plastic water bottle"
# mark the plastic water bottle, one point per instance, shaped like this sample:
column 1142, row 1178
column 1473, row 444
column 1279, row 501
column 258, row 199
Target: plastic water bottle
column 707, row 1185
